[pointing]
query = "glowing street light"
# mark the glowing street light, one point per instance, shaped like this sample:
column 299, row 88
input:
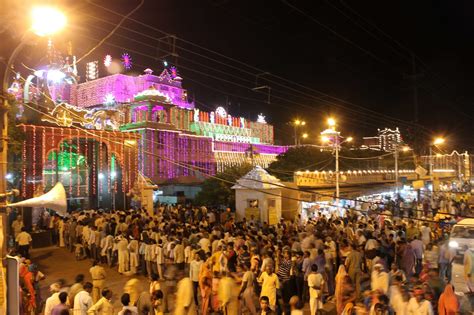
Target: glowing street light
column 297, row 123
column 332, row 135
column 331, row 122
column 47, row 21
column 436, row 142
column 304, row 135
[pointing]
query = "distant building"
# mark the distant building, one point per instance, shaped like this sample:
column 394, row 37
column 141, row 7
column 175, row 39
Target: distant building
column 386, row 140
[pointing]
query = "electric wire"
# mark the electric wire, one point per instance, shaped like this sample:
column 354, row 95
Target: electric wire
column 242, row 63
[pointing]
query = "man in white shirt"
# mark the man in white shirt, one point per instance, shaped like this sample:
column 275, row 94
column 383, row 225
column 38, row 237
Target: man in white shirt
column 179, row 254
column 418, row 305
column 53, row 300
column 17, row 225
column 315, row 284
column 83, row 300
column 125, row 299
column 24, row 240
column 379, row 279
column 205, row 243
column 194, row 268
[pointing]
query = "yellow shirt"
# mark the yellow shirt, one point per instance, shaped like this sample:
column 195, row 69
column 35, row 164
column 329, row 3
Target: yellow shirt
column 103, row 307
column 23, row 239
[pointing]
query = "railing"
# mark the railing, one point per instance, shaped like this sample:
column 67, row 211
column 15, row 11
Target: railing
column 357, row 177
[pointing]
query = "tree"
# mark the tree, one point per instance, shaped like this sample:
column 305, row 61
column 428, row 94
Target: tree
column 216, row 191
column 300, row 159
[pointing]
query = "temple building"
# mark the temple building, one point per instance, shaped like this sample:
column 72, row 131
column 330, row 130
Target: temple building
column 130, row 125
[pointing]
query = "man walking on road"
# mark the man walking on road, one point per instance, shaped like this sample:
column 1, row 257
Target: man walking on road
column 98, row 275
column 24, row 241
column 353, row 265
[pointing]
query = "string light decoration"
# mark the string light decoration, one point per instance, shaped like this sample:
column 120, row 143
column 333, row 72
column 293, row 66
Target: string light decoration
column 43, row 153
column 78, row 174
column 53, row 155
column 152, row 156
column 92, row 70
column 129, row 159
column 23, row 174
column 86, row 153
column 70, row 162
column 126, row 61
column 122, row 166
column 94, row 170
column 34, row 159
column 101, row 163
column 107, row 60
column 108, row 162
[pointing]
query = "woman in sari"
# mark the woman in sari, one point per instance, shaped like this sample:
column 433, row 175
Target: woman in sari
column 341, row 274
column 448, row 303
column 348, row 295
column 205, row 285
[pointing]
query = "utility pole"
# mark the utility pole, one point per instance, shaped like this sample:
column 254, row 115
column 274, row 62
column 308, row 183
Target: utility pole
column 170, row 42
column 395, row 155
column 337, row 167
column 415, row 89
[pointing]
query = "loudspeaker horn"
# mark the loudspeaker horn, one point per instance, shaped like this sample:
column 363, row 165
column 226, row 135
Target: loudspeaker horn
column 55, row 199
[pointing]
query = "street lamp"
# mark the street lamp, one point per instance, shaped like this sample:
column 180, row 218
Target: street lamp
column 304, row 136
column 297, row 123
column 331, row 134
column 45, row 21
column 436, row 142
column 331, row 122
column 396, row 153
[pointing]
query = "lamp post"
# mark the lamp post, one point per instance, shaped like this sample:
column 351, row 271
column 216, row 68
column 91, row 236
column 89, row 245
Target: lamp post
column 303, row 137
column 396, row 153
column 436, row 142
column 46, row 21
column 331, row 134
column 297, row 123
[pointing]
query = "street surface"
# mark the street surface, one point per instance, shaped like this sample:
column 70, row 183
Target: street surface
column 58, row 263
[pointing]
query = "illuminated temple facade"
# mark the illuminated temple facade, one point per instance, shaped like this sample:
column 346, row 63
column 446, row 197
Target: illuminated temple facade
column 179, row 143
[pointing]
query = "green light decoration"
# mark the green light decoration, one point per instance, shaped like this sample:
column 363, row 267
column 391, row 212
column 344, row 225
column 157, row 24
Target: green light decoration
column 112, row 164
column 65, row 160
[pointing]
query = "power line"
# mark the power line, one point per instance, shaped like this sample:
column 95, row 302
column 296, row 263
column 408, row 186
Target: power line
column 242, row 63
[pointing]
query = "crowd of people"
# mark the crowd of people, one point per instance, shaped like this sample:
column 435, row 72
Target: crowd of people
column 201, row 261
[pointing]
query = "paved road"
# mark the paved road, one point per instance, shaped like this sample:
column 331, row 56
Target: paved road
column 58, row 263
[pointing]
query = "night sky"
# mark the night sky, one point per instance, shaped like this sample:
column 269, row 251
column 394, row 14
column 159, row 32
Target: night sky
column 350, row 59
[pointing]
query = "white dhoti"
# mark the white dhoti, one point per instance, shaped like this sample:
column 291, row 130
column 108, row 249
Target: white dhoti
column 123, row 260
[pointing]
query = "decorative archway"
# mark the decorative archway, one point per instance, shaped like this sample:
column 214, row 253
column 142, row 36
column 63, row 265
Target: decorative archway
column 87, row 154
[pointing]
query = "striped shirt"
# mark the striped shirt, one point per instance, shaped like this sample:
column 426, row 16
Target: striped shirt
column 284, row 270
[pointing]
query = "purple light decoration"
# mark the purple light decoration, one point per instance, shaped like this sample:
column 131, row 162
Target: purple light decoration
column 243, row 147
column 157, row 108
column 153, row 157
column 126, row 61
column 143, row 107
column 174, row 72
